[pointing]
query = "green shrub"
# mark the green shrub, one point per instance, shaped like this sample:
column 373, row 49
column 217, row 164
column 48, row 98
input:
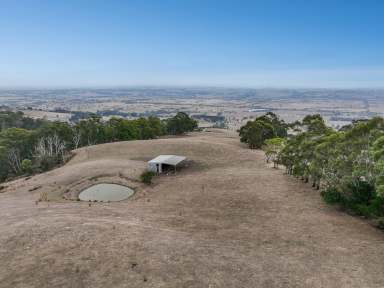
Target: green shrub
column 361, row 201
column 146, row 177
column 362, row 210
column 377, row 206
column 380, row 223
column 26, row 166
column 361, row 192
column 374, row 209
column 332, row 196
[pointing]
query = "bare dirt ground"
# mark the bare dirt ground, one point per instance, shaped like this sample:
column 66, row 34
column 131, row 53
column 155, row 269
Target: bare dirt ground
column 225, row 221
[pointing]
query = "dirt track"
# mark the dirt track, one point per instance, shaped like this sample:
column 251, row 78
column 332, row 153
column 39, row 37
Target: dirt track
column 226, row 221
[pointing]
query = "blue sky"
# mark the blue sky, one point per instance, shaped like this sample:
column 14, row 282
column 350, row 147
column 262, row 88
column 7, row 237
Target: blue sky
column 291, row 43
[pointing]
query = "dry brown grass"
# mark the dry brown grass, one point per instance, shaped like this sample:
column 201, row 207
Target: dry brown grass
column 228, row 221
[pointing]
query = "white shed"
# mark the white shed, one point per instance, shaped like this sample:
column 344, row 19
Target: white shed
column 156, row 164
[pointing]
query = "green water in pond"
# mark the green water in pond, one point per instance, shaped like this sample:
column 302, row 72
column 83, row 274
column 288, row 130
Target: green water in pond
column 106, row 192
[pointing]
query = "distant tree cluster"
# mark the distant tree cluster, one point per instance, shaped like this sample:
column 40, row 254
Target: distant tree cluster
column 347, row 165
column 10, row 119
column 30, row 146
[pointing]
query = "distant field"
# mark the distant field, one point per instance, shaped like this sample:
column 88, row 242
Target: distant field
column 338, row 107
column 51, row 116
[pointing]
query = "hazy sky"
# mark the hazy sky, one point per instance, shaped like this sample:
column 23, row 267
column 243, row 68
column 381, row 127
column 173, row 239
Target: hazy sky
column 285, row 43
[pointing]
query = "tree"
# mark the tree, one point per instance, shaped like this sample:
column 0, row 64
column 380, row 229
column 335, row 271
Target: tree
column 180, row 124
column 9, row 119
column 314, row 124
column 279, row 126
column 14, row 160
column 4, row 169
column 47, row 143
column 348, row 164
column 378, row 156
column 16, row 143
column 63, row 131
column 146, row 131
column 254, row 133
column 91, row 130
column 272, row 149
column 76, row 138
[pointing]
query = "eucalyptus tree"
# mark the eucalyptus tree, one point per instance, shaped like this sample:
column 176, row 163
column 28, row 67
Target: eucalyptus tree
column 378, row 155
column 272, row 149
column 180, row 124
column 254, row 133
column 16, row 145
column 265, row 127
column 91, row 130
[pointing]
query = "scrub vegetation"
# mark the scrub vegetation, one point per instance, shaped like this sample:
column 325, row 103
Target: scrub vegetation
column 29, row 146
column 146, row 177
column 346, row 164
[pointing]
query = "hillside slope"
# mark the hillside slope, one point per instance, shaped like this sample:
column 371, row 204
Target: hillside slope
column 226, row 220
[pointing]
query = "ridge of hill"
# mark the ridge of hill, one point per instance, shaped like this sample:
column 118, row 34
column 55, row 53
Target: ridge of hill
column 225, row 220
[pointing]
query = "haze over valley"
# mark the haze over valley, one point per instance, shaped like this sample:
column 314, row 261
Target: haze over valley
column 220, row 107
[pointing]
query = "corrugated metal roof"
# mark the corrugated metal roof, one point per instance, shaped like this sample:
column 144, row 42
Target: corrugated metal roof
column 168, row 159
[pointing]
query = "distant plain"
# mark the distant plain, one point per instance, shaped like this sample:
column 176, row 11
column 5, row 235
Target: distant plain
column 234, row 106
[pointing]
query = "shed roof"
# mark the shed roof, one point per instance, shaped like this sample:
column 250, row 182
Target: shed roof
column 168, row 159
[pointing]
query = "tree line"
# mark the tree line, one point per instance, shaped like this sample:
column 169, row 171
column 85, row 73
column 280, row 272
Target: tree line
column 30, row 146
column 347, row 165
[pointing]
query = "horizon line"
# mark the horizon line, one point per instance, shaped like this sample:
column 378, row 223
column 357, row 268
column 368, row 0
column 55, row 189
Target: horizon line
column 149, row 86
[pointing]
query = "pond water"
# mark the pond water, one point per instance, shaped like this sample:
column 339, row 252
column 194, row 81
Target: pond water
column 106, row 192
